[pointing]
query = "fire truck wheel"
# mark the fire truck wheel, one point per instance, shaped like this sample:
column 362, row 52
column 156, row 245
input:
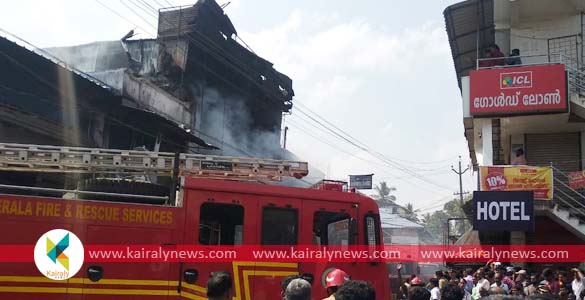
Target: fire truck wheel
column 118, row 186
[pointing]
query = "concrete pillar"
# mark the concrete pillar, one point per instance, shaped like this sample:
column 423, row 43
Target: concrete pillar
column 582, row 150
column 487, row 143
column 518, row 238
column 465, row 90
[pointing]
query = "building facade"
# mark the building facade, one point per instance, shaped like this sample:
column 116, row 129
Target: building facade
column 520, row 68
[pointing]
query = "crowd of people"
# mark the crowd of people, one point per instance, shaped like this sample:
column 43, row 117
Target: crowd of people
column 338, row 285
column 494, row 281
column 498, row 282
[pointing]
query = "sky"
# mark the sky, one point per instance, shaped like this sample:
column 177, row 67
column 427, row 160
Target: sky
column 381, row 71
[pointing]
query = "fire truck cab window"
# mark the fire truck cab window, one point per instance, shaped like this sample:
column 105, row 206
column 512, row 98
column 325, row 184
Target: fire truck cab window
column 330, row 228
column 371, row 232
column 221, row 224
column 279, row 226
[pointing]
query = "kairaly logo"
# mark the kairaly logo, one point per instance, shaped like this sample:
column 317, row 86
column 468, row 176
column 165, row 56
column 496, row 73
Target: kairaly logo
column 59, row 254
column 516, row 80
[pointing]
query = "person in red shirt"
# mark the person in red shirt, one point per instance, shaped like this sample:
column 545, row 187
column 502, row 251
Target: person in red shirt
column 508, row 275
column 485, row 61
column 549, row 281
column 561, row 279
column 497, row 53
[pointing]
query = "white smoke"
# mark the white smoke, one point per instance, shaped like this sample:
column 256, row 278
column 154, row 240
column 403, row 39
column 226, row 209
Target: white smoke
column 226, row 120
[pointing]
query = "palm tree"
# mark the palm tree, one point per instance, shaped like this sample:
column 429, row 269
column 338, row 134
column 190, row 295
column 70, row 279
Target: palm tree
column 383, row 193
column 410, row 213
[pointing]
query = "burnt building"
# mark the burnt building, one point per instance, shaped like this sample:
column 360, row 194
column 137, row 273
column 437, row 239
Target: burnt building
column 196, row 74
column 194, row 88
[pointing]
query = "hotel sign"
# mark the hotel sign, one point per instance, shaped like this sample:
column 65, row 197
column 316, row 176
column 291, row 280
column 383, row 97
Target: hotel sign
column 503, row 211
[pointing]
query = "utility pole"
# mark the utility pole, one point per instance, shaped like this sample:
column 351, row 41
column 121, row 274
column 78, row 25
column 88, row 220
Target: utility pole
column 460, row 173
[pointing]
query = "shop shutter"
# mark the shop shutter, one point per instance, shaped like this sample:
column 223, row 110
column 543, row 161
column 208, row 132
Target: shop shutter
column 562, row 149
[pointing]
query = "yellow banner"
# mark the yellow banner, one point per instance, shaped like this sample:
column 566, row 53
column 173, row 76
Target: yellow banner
column 518, row 178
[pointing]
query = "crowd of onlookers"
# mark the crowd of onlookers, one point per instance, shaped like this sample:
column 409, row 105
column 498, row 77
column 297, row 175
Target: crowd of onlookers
column 338, row 286
column 496, row 281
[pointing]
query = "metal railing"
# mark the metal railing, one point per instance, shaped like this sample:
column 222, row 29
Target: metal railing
column 517, row 61
column 64, row 191
column 567, row 197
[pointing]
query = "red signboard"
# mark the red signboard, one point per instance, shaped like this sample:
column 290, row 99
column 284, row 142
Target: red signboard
column 577, row 180
column 518, row 90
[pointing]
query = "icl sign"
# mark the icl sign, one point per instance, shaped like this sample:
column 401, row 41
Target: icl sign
column 503, row 211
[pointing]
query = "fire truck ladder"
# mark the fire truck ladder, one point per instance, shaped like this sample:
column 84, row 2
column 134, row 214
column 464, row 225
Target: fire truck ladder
column 56, row 159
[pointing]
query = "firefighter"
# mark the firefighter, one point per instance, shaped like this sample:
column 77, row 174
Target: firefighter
column 219, row 286
column 334, row 279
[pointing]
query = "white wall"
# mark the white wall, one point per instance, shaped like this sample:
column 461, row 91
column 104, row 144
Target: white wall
column 465, row 96
column 532, row 37
column 483, row 142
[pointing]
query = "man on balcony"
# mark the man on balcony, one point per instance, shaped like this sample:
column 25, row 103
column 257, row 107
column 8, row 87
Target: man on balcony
column 514, row 58
column 519, row 159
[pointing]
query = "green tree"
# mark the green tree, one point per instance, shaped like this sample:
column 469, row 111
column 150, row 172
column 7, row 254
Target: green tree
column 436, row 223
column 410, row 213
column 382, row 195
column 435, row 226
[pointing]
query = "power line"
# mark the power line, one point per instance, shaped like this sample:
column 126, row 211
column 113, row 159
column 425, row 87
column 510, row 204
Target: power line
column 357, row 141
column 139, row 15
column 123, row 17
column 148, row 4
column 376, row 165
column 376, row 154
column 417, row 169
column 436, row 204
column 143, row 8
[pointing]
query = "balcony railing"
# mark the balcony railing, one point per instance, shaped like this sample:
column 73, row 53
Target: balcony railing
column 567, row 197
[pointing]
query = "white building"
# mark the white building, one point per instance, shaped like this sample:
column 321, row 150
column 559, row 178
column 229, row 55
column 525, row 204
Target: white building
column 548, row 35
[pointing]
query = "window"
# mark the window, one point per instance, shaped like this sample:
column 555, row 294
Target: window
column 221, row 224
column 566, row 46
column 331, row 228
column 279, row 226
column 372, row 234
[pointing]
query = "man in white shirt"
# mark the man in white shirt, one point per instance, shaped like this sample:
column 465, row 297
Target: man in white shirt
column 578, row 282
column 482, row 286
column 468, row 280
column 435, row 291
column 499, row 284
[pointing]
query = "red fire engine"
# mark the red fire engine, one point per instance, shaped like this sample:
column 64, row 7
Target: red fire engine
column 208, row 211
